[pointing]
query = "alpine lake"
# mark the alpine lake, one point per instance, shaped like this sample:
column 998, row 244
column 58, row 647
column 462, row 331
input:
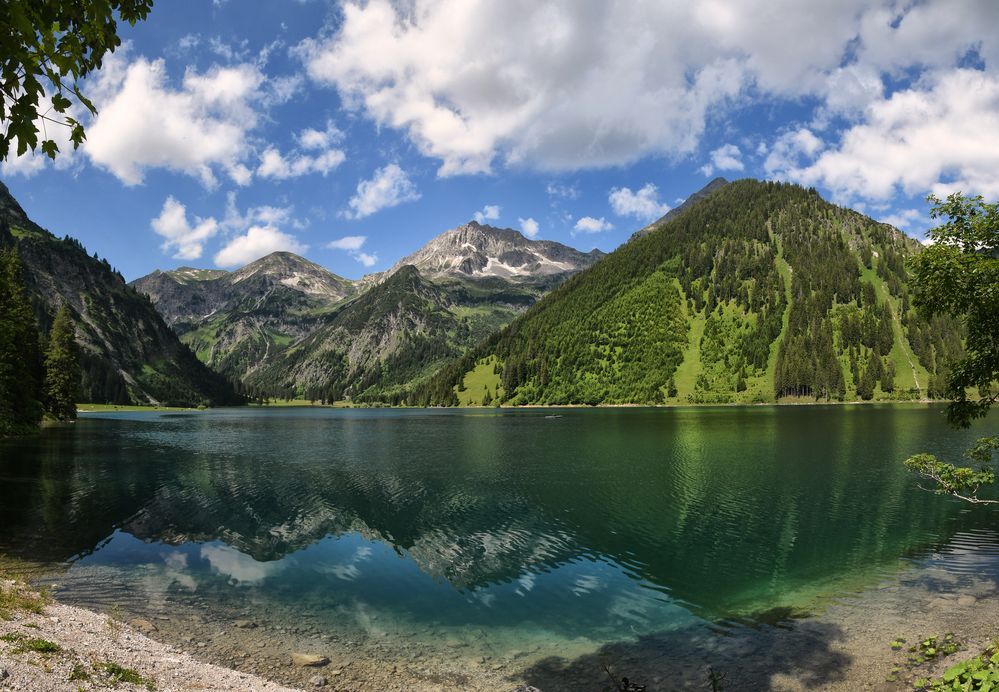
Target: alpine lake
column 773, row 547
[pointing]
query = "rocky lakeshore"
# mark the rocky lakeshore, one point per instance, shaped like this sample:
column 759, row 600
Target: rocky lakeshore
column 68, row 648
column 50, row 646
column 846, row 644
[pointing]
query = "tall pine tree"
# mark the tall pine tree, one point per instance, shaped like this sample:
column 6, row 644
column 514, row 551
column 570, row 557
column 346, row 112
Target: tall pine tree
column 20, row 362
column 62, row 368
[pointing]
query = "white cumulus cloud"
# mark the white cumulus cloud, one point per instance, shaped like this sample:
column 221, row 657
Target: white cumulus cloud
column 940, row 135
column 529, row 227
column 725, row 158
column 262, row 215
column 490, row 212
column 144, row 122
column 789, row 150
column 565, row 85
column 588, row 224
column 273, row 164
column 389, row 187
column 352, row 244
column 366, row 259
column 310, row 138
column 902, row 219
column 643, row 204
column 557, row 191
column 529, row 82
column 349, row 242
column 257, row 242
column 185, row 239
column 316, row 153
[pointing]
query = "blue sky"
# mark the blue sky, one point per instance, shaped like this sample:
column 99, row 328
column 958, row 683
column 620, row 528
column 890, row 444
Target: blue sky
column 353, row 132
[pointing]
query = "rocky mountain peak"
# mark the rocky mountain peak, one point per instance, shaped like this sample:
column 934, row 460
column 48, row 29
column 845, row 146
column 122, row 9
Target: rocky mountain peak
column 295, row 272
column 476, row 251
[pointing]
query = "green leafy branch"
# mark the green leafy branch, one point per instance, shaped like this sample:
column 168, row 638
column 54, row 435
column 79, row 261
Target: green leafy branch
column 962, row 482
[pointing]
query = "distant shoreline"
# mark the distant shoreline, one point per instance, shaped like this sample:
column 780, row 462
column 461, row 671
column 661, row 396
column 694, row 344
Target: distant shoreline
column 298, row 403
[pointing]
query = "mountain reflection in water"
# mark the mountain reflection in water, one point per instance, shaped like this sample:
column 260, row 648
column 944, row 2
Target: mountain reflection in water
column 595, row 521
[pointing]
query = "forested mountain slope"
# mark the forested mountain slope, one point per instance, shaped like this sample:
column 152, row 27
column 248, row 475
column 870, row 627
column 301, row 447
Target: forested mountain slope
column 128, row 354
column 758, row 292
column 693, row 199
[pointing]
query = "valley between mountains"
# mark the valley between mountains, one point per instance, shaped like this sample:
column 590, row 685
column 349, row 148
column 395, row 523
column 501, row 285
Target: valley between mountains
column 749, row 292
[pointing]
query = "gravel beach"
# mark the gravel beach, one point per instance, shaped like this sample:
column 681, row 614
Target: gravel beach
column 95, row 654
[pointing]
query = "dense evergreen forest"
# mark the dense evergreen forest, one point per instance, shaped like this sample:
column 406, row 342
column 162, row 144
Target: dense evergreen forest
column 761, row 292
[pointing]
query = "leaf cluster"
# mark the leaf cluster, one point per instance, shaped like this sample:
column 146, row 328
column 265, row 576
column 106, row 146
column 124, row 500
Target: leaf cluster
column 48, row 47
column 980, row 673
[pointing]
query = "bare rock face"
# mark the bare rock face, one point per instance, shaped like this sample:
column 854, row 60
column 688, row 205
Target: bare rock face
column 236, row 320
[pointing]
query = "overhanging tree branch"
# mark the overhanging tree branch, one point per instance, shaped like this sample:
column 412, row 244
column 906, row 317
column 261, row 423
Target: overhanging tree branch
column 59, row 42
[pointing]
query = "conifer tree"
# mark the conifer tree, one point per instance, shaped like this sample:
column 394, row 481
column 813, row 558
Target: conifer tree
column 869, row 380
column 62, row 368
column 888, row 381
column 20, row 406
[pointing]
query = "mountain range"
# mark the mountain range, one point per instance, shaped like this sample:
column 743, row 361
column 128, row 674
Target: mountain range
column 748, row 292
column 284, row 326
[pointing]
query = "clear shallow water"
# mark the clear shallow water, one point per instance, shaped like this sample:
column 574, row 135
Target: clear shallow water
column 516, row 529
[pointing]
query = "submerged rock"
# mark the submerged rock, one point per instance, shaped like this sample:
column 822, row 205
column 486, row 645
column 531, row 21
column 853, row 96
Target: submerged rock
column 317, row 681
column 309, row 660
column 144, row 626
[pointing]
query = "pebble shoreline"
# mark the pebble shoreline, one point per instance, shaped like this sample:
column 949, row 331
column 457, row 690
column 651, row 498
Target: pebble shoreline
column 88, row 642
column 845, row 646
